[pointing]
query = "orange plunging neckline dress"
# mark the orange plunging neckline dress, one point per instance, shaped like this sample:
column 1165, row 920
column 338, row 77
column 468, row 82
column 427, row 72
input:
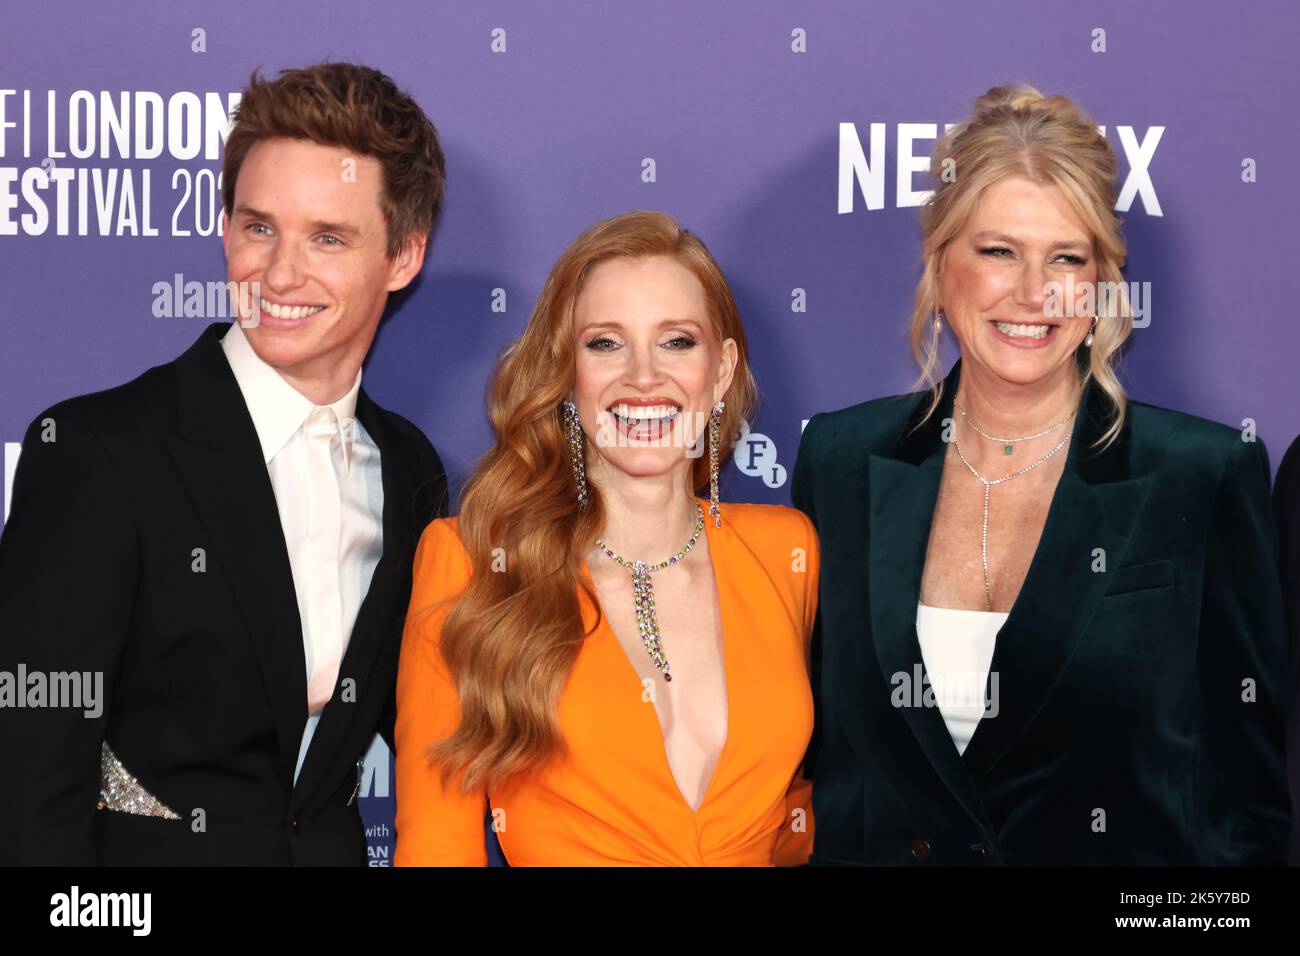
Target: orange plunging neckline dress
column 614, row 800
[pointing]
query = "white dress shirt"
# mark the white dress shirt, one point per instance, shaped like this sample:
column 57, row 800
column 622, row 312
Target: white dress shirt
column 325, row 472
column 957, row 647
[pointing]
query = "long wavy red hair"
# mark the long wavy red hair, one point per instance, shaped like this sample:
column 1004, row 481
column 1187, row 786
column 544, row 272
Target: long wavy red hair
column 511, row 638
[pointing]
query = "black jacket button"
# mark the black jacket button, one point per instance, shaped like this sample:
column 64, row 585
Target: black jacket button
column 921, row 849
column 293, row 825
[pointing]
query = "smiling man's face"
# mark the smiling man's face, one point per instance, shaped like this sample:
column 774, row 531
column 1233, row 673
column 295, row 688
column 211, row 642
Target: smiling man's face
column 309, row 230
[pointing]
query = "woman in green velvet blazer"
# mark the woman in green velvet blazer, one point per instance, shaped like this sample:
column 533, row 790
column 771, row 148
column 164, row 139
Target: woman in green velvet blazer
column 1136, row 693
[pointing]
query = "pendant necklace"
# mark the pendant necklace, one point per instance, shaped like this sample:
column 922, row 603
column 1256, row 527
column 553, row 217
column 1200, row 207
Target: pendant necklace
column 989, row 483
column 1008, row 444
column 644, row 595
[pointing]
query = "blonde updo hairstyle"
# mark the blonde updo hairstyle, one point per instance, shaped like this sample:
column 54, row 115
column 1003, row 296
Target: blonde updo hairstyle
column 1050, row 140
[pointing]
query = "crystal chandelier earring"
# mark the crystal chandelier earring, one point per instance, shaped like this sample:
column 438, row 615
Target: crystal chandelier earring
column 715, row 434
column 573, row 434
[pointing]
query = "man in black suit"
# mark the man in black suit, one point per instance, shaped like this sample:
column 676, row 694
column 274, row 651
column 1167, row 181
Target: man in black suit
column 224, row 544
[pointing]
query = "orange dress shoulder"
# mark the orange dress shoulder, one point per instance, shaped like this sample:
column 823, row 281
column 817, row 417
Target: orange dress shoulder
column 614, row 801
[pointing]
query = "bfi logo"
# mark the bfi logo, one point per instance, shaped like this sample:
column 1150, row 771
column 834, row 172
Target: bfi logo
column 755, row 456
column 869, row 175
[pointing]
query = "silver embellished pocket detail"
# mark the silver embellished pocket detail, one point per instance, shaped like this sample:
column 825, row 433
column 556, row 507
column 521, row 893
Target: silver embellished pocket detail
column 361, row 772
column 119, row 790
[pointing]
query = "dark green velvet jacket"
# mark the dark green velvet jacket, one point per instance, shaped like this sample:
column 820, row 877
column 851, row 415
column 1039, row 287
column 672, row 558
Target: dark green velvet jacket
column 1141, row 709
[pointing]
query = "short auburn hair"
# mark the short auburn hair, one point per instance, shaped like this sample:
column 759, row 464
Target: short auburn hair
column 356, row 108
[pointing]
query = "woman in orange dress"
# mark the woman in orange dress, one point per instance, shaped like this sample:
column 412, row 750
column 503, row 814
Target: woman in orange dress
column 610, row 668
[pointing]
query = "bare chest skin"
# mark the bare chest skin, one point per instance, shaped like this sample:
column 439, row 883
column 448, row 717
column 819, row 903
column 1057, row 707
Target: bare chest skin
column 692, row 708
column 954, row 571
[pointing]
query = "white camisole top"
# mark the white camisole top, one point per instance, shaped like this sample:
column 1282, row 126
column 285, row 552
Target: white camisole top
column 957, row 648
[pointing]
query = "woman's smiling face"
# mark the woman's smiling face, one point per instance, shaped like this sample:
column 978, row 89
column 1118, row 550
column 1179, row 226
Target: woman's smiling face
column 994, row 282
column 649, row 366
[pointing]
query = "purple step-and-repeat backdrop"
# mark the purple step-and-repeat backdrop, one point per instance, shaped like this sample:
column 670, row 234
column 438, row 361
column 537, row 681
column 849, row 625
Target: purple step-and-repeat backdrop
column 789, row 136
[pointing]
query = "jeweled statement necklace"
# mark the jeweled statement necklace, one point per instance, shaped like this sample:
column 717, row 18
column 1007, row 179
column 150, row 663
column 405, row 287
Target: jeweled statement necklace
column 644, row 593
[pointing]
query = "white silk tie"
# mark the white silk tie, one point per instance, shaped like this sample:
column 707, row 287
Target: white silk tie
column 324, row 625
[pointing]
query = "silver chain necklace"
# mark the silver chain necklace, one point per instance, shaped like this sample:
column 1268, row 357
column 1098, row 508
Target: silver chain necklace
column 644, row 594
column 988, row 484
column 1008, row 444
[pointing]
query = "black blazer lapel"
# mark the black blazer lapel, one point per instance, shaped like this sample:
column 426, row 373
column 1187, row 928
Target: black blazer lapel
column 220, row 461
column 381, row 603
column 1096, row 505
column 903, row 490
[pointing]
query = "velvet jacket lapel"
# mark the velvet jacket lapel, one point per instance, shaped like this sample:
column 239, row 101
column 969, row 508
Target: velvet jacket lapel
column 1096, row 505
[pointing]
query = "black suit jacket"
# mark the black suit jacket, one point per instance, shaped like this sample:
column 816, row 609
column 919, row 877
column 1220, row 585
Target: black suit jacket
column 1286, row 500
column 201, row 651
column 1121, row 735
